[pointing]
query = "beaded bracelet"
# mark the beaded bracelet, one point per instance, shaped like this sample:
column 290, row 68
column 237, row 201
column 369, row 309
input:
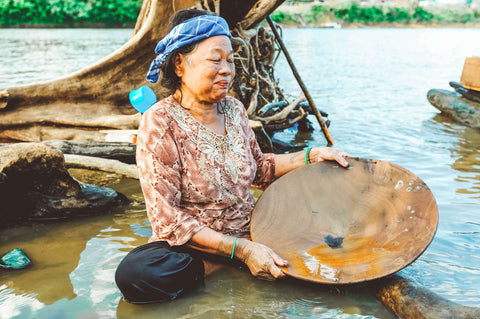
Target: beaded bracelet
column 233, row 249
column 307, row 155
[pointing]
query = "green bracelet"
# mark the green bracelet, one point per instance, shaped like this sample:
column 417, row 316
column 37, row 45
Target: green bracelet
column 307, row 150
column 233, row 249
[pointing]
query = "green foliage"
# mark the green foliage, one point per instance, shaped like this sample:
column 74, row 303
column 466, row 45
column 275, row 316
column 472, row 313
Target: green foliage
column 309, row 18
column 316, row 10
column 124, row 12
column 353, row 12
column 397, row 15
column 278, row 16
column 69, row 12
column 421, row 15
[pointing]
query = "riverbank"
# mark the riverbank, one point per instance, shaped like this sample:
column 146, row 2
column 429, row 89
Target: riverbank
column 349, row 14
column 69, row 26
column 383, row 25
column 69, row 14
column 340, row 13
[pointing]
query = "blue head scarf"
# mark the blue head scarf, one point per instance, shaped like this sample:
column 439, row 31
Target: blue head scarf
column 189, row 31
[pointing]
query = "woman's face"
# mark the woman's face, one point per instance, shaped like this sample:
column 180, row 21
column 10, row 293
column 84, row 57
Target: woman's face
column 207, row 72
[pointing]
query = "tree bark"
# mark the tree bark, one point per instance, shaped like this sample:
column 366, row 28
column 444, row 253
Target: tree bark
column 408, row 301
column 101, row 164
column 121, row 151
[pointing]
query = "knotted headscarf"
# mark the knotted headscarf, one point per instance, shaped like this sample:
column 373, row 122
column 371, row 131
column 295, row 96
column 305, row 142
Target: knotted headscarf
column 189, row 31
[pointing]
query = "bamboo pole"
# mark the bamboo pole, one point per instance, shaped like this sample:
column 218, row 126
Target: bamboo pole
column 300, row 82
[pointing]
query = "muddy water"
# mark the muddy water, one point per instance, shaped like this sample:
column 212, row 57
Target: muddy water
column 373, row 84
column 73, row 275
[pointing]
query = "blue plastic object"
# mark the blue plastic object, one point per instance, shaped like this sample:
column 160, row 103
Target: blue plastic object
column 142, row 98
column 14, row 259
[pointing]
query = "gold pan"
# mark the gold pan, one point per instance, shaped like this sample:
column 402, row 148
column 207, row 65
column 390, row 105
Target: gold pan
column 339, row 225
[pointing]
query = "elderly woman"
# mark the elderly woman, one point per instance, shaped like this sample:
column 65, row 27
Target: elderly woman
column 197, row 158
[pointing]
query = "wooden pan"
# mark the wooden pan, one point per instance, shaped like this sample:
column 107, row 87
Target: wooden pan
column 340, row 225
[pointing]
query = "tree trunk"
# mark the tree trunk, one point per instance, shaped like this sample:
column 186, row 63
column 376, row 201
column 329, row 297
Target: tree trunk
column 408, row 301
column 95, row 98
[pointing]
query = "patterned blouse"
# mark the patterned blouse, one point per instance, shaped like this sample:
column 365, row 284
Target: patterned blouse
column 193, row 178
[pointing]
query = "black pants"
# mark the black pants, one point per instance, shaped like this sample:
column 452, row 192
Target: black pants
column 156, row 272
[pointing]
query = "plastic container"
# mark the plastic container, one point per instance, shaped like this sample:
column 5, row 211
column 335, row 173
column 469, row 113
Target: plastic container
column 142, row 98
column 14, row 259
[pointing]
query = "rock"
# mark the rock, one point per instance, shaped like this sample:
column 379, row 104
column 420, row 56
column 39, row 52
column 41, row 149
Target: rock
column 34, row 184
column 456, row 106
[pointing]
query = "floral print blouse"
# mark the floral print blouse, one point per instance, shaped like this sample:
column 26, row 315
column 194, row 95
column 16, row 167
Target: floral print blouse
column 193, row 178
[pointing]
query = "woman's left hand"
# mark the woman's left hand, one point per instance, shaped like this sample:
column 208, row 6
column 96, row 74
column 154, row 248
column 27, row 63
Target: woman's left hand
column 285, row 163
column 319, row 154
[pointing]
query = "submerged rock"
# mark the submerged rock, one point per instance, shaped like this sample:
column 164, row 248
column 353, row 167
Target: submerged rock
column 459, row 108
column 34, row 184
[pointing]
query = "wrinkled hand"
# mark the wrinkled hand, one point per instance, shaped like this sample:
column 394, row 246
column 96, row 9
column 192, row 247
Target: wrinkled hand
column 262, row 261
column 318, row 154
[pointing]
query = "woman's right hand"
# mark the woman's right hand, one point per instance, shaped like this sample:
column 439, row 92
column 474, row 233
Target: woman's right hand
column 262, row 261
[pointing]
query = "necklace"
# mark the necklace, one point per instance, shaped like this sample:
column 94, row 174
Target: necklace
column 225, row 151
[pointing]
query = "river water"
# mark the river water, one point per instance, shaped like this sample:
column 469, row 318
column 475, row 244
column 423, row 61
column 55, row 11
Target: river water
column 373, row 85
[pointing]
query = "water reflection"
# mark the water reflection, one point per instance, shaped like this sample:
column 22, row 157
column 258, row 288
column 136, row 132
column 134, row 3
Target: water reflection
column 73, row 263
column 465, row 150
column 56, row 251
column 234, row 294
column 467, row 162
column 73, row 268
column 452, row 172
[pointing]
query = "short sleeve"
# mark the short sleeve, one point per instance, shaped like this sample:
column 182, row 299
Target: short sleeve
column 265, row 173
column 160, row 169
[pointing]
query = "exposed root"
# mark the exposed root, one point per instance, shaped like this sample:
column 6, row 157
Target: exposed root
column 255, row 84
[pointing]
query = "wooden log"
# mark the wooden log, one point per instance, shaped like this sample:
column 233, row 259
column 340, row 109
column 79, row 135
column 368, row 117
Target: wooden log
column 101, row 164
column 469, row 94
column 121, row 151
column 408, row 301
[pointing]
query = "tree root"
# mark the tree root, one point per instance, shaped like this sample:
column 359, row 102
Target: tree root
column 255, row 84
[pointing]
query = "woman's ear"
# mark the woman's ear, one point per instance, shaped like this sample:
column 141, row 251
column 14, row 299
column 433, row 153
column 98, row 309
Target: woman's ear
column 179, row 65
